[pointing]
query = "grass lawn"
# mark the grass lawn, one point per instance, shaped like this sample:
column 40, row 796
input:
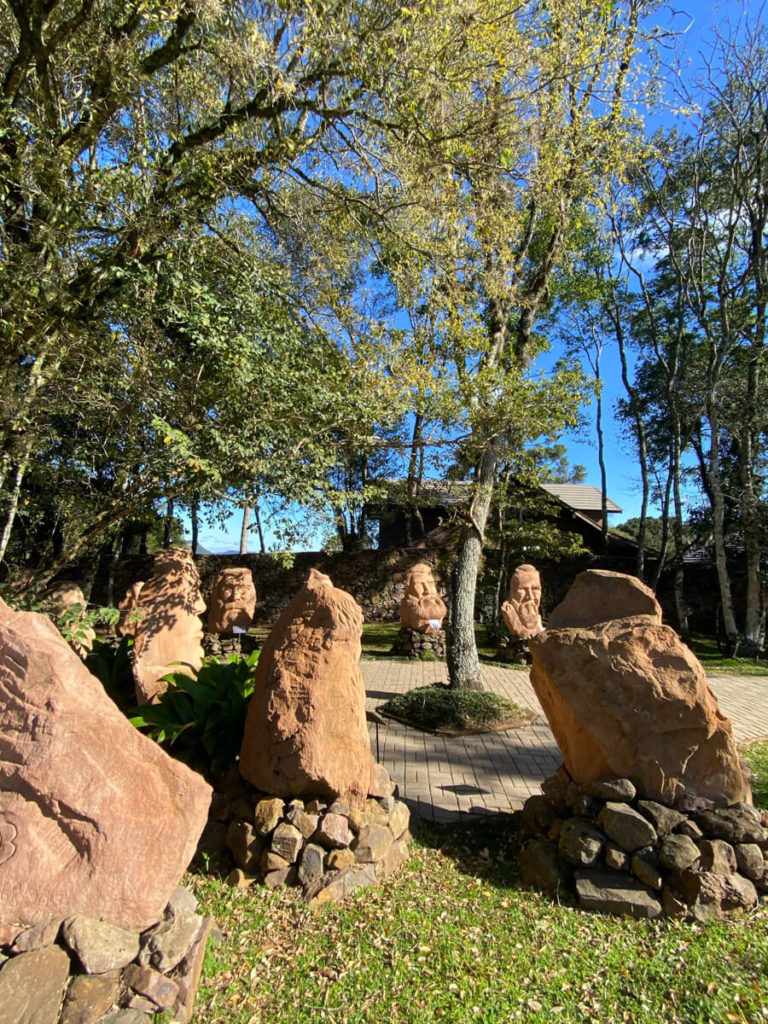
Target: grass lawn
column 452, row 939
column 706, row 650
column 378, row 638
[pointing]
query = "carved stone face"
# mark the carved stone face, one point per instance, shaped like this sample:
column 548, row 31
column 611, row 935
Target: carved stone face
column 521, row 611
column 170, row 629
column 422, row 608
column 129, row 610
column 233, row 600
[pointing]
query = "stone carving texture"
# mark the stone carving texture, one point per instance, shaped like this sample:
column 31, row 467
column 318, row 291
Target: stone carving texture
column 95, row 819
column 305, row 732
column 599, row 595
column 233, row 600
column 129, row 610
column 169, row 629
column 521, row 611
column 422, row 608
column 628, row 699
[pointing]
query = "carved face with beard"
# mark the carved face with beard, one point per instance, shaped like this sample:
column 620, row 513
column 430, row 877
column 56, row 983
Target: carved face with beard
column 521, row 612
column 422, row 608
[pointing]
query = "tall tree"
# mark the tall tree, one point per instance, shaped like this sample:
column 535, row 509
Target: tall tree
column 518, row 121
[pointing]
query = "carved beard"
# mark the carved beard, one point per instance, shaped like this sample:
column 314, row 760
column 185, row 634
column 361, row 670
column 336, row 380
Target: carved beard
column 528, row 613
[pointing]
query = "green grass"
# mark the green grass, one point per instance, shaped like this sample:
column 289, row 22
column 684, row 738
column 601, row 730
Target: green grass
column 756, row 755
column 438, row 708
column 452, row 939
column 378, row 638
column 706, row 650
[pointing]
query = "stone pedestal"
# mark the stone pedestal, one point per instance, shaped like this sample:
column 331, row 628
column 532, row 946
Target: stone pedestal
column 513, row 651
column 410, row 643
column 221, row 645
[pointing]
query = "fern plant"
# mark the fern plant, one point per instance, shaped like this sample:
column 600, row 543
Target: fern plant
column 201, row 717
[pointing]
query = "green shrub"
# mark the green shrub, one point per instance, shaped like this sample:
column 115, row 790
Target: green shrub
column 202, row 717
column 112, row 664
column 438, row 707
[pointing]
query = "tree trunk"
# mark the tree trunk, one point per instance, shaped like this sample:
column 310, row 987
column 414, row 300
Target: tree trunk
column 463, row 662
column 640, row 440
column 244, row 530
column 13, row 507
column 194, row 509
column 262, row 546
column 168, row 524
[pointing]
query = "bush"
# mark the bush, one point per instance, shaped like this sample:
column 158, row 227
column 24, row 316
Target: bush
column 112, row 664
column 440, row 708
column 202, row 717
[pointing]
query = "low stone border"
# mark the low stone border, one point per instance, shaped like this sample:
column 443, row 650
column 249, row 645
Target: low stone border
column 221, row 645
column 621, row 854
column 513, row 651
column 85, row 971
column 328, row 850
column 410, row 643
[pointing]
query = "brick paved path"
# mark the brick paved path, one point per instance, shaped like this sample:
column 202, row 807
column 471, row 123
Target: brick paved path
column 442, row 777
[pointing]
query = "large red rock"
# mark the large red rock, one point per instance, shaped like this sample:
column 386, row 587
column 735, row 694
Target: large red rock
column 169, row 633
column 305, row 732
column 628, row 699
column 598, row 595
column 95, row 819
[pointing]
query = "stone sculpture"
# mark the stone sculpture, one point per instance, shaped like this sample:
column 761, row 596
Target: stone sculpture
column 169, row 630
column 521, row 611
column 305, row 732
column 129, row 610
column 626, row 698
column 422, row 608
column 233, row 600
column 67, row 601
column 95, row 819
column 599, row 595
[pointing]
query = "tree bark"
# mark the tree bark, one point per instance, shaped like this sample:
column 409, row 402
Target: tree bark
column 13, row 508
column 244, row 530
column 462, row 658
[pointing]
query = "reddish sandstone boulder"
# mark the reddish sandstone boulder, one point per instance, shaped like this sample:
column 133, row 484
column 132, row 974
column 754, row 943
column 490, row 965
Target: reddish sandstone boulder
column 628, row 699
column 305, row 733
column 95, row 819
column 598, row 595
column 169, row 633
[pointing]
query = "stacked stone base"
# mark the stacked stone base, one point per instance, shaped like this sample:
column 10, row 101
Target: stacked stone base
column 513, row 651
column 221, row 645
column 621, row 854
column 328, row 850
column 410, row 643
column 86, row 971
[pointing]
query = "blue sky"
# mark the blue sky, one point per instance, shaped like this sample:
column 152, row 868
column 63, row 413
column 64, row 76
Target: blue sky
column 695, row 23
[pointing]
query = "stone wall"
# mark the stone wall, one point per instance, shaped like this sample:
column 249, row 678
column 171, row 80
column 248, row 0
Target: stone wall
column 376, row 580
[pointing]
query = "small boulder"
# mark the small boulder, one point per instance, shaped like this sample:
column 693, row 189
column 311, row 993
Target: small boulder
column 626, row 827
column 613, row 893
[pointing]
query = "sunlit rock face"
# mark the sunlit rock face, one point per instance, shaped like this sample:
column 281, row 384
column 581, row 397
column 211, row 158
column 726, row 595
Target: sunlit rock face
column 95, row 819
column 233, row 600
column 169, row 630
column 422, row 608
column 520, row 611
column 626, row 698
column 306, row 733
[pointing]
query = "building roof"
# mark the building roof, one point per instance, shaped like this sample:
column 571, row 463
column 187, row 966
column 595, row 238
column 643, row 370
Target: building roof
column 582, row 497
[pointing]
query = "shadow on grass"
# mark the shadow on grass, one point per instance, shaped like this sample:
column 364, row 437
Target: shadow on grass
column 481, row 846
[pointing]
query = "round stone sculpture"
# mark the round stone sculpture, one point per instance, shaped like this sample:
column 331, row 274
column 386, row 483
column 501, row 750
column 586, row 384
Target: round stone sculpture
column 422, row 608
column 521, row 611
column 233, row 600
